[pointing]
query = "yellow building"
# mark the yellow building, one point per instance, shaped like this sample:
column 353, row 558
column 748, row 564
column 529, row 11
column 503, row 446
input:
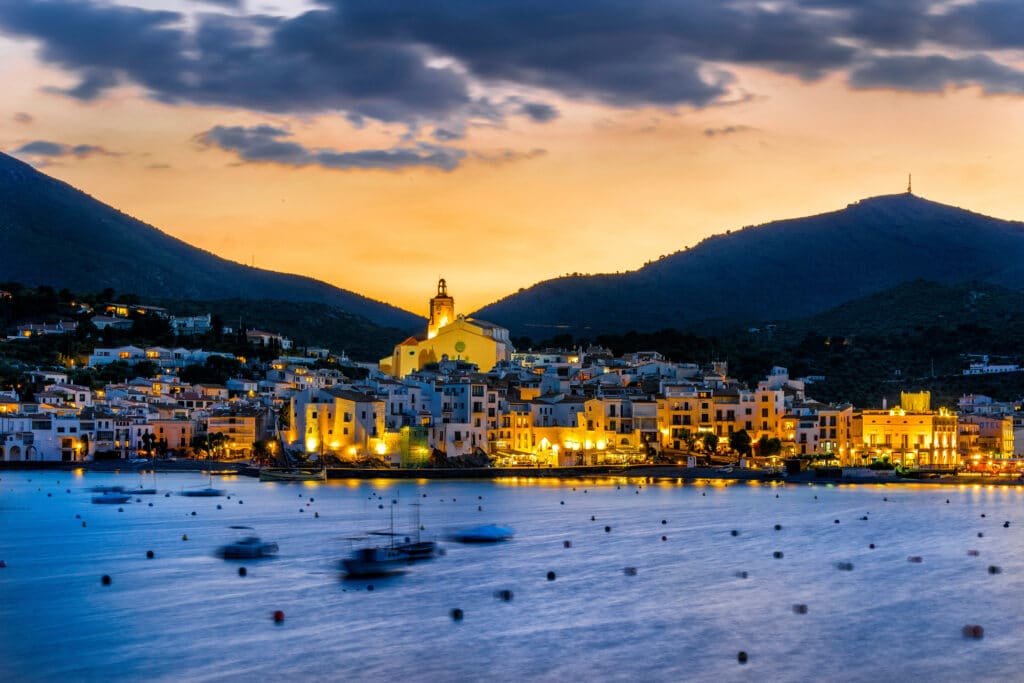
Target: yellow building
column 911, row 435
column 451, row 336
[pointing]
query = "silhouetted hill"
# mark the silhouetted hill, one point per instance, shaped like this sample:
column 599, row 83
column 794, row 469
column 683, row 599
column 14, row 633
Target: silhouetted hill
column 53, row 234
column 781, row 270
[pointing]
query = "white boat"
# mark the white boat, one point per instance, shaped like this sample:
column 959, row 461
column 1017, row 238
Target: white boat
column 248, row 548
column 485, row 533
column 111, row 498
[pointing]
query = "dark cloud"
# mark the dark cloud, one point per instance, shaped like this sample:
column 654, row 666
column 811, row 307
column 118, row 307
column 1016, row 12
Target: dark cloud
column 46, row 148
column 726, row 130
column 271, row 144
column 23, row 118
column 935, row 73
column 373, row 60
column 227, row 4
column 539, row 111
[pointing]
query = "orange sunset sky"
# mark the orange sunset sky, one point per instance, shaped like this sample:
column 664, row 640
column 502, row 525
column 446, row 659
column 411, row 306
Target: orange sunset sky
column 377, row 146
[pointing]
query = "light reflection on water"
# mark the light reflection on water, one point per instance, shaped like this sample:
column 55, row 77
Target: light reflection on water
column 685, row 614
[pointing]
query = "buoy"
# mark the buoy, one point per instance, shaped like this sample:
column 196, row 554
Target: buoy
column 317, row 515
column 982, row 514
column 741, row 657
column 563, row 503
column 981, row 535
column 302, row 510
column 83, row 523
column 505, row 595
column 629, row 571
column 566, row 544
column 551, row 576
column 836, row 522
column 844, row 566
column 607, row 529
column 864, row 518
column 49, row 495
column 3, row 564
column 278, row 617
column 122, row 510
column 734, row 532
column 916, row 559
column 457, row 614
column 311, row 499
column 664, row 538
column 380, row 507
column 193, row 513
column 150, row 505
column 800, row 609
column 664, row 521
column 703, row 494
column 218, row 506
column 167, row 495
column 105, row 580
column 871, row 545
column 973, row 553
column 741, row 575
column 242, row 571
column 370, row 588
column 149, row 554
column 480, row 508
column 993, row 569
column 947, row 501
column 778, row 527
column 885, row 499
column 777, row 554
column 592, row 518
column 78, row 516
column 184, row 537
column 241, row 502
column 973, row 631
column 1006, row 525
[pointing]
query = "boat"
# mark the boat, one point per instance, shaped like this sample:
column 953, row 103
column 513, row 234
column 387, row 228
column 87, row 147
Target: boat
column 268, row 474
column 485, row 533
column 107, row 489
column 419, row 549
column 208, row 492
column 111, row 498
column 248, row 548
column 373, row 562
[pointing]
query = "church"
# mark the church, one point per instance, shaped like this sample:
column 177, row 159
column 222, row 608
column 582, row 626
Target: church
column 448, row 335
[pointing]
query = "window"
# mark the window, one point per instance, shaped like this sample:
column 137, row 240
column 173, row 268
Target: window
column 764, row 412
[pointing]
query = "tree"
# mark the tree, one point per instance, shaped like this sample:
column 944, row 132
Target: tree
column 740, row 442
column 148, row 441
column 766, row 447
column 710, row 441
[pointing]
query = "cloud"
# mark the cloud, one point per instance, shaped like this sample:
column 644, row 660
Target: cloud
column 270, row 144
column 539, row 111
column 449, row 65
column 46, row 148
column 23, row 118
column 725, row 130
column 507, row 156
column 935, row 73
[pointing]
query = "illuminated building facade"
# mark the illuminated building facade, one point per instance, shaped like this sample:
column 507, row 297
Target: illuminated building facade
column 449, row 336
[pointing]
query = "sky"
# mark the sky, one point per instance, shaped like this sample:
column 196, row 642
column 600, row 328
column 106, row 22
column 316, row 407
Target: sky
column 380, row 145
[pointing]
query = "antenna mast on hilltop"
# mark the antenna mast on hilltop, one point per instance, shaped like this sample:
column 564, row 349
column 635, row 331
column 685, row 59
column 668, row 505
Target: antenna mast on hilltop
column 908, row 185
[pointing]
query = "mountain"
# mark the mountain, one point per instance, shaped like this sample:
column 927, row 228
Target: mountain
column 53, row 234
column 778, row 271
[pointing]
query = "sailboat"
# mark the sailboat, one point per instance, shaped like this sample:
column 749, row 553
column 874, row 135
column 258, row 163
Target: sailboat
column 376, row 561
column 208, row 492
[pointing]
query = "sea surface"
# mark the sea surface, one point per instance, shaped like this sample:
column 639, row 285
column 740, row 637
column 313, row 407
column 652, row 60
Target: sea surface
column 650, row 582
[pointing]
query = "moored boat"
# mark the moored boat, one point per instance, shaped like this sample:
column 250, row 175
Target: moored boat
column 111, row 498
column 485, row 533
column 373, row 562
column 268, row 474
column 208, row 492
column 248, row 548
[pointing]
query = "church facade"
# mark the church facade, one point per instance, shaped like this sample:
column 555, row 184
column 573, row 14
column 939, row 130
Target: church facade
column 449, row 335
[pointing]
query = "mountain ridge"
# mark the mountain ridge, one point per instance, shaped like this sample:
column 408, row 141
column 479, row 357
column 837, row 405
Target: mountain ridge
column 783, row 269
column 39, row 213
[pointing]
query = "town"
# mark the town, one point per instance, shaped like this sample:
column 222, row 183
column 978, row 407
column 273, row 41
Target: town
column 459, row 395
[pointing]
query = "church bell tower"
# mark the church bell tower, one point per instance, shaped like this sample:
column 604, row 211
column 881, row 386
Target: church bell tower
column 442, row 310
